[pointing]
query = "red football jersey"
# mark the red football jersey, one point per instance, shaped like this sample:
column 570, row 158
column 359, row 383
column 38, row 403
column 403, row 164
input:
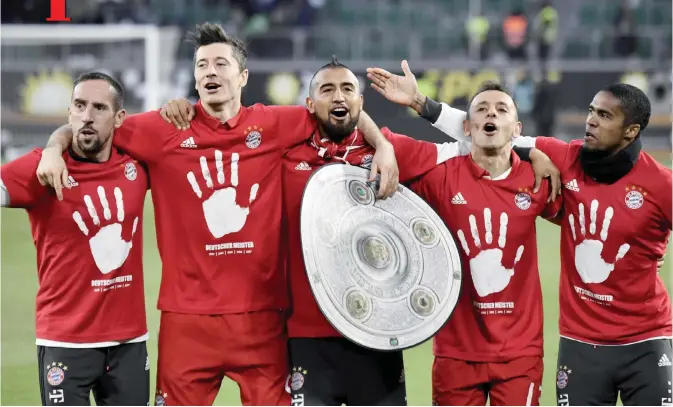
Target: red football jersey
column 499, row 314
column 414, row 158
column 611, row 238
column 216, row 189
column 89, row 247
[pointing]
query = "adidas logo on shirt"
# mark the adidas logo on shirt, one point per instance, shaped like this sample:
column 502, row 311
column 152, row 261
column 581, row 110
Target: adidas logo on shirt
column 72, row 182
column 188, row 143
column 303, row 166
column 458, row 199
column 572, row 185
column 664, row 361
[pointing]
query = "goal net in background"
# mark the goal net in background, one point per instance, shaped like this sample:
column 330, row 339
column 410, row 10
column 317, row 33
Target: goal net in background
column 40, row 62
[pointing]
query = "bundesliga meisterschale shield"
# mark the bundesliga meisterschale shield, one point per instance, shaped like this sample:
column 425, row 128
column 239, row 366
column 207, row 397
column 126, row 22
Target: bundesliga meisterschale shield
column 385, row 273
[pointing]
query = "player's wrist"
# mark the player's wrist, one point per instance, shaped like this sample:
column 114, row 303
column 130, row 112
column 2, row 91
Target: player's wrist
column 52, row 150
column 431, row 110
column 418, row 102
column 524, row 153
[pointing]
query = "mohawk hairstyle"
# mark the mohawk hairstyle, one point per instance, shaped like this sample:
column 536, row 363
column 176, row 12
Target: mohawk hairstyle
column 489, row 86
column 100, row 76
column 210, row 33
column 634, row 103
column 333, row 64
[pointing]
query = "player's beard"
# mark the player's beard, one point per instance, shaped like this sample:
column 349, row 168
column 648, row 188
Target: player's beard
column 338, row 132
column 91, row 147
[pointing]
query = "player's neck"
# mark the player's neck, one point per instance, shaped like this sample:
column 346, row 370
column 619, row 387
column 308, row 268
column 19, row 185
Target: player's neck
column 223, row 111
column 496, row 163
column 100, row 156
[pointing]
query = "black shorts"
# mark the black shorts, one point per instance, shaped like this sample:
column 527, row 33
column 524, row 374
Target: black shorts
column 335, row 371
column 590, row 375
column 117, row 375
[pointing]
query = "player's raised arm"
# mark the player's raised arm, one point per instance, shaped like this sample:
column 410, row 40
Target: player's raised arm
column 417, row 157
column 404, row 91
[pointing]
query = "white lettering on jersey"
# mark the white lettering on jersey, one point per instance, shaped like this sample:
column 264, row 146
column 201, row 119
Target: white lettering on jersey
column 599, row 298
column 230, row 248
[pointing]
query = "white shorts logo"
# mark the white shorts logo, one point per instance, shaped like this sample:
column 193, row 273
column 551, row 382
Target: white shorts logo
column 160, row 398
column 55, row 376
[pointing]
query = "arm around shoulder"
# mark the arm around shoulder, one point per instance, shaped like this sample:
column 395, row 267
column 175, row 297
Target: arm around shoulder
column 444, row 118
column 294, row 124
column 144, row 135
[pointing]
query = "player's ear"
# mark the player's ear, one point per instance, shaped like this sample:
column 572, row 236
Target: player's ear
column 631, row 132
column 309, row 105
column 466, row 127
column 518, row 129
column 119, row 118
column 244, row 77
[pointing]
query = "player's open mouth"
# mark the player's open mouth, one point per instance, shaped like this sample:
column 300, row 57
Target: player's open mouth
column 589, row 135
column 490, row 129
column 212, row 87
column 339, row 113
column 87, row 132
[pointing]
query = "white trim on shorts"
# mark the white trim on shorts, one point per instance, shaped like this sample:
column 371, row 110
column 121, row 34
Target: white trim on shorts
column 620, row 344
column 57, row 344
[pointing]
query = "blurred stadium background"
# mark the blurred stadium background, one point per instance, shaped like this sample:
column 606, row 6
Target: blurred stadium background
column 554, row 55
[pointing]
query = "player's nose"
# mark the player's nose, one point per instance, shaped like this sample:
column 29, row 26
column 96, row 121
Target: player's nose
column 591, row 120
column 338, row 96
column 211, row 71
column 88, row 115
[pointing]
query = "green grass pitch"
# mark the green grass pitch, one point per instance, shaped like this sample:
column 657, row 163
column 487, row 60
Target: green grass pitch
column 19, row 285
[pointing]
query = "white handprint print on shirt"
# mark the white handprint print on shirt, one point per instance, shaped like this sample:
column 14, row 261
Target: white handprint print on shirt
column 588, row 260
column 222, row 214
column 108, row 249
column 488, row 273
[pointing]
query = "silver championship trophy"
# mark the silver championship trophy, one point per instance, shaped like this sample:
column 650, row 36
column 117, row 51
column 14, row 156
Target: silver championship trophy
column 385, row 273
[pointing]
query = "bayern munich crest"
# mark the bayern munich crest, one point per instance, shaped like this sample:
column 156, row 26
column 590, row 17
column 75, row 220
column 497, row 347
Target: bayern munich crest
column 635, row 197
column 367, row 161
column 56, row 373
column 130, row 171
column 562, row 377
column 254, row 137
column 297, row 378
column 160, row 398
column 523, row 200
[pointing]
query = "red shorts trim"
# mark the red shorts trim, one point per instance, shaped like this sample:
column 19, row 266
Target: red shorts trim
column 197, row 351
column 459, row 382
